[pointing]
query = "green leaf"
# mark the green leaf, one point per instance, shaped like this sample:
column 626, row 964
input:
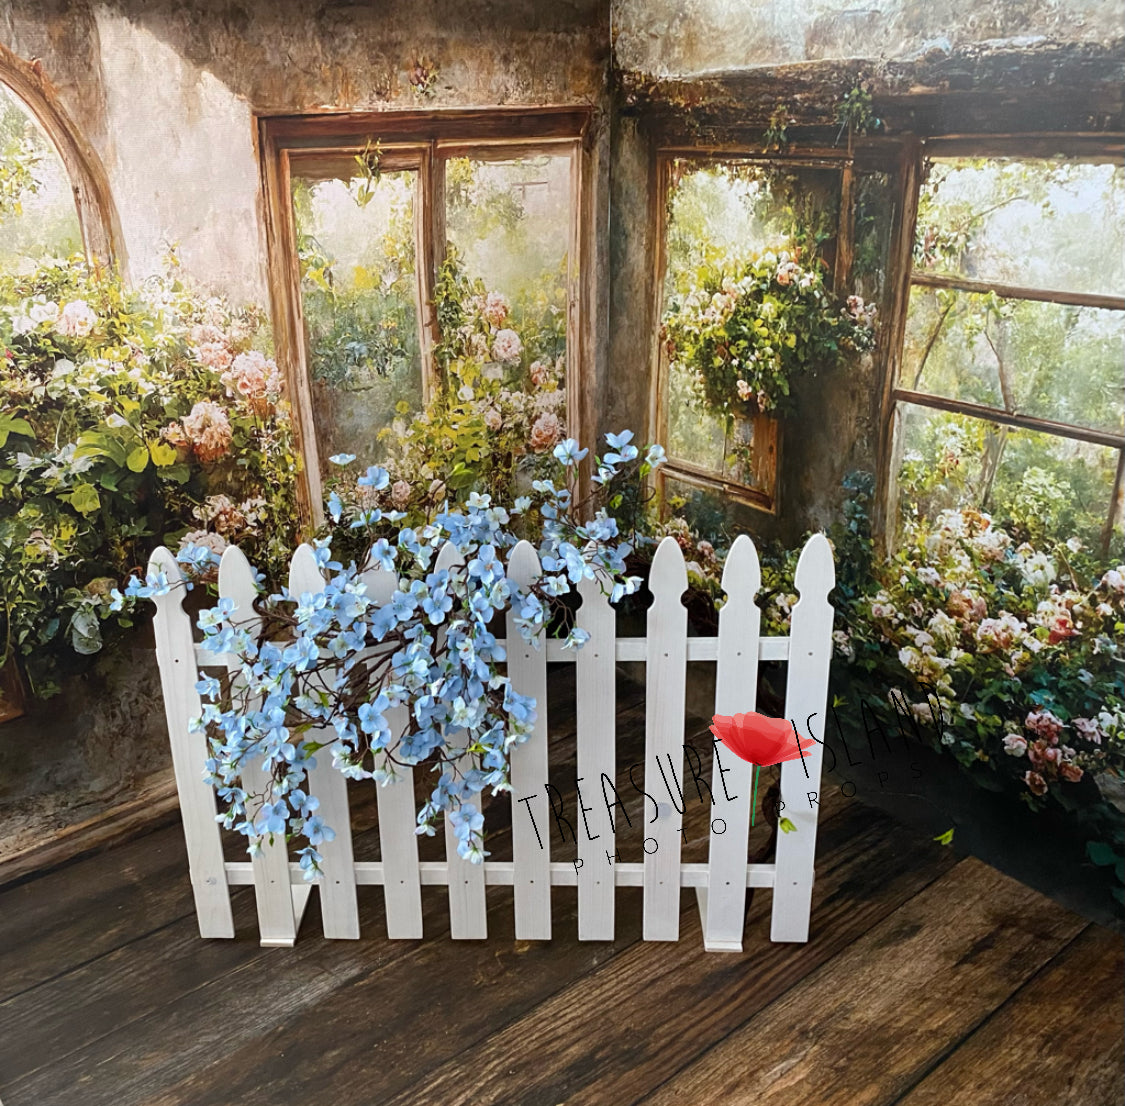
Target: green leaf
column 85, row 499
column 945, row 838
column 85, row 633
column 787, row 826
column 137, row 461
column 1100, row 853
column 163, row 454
column 9, row 424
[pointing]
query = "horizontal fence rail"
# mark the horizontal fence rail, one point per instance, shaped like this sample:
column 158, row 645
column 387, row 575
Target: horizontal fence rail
column 282, row 894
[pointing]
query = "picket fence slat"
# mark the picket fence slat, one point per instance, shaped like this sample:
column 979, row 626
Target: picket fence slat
column 468, row 915
column 280, row 907
column 281, row 891
column 596, row 714
column 398, row 843
column 527, row 669
column 665, row 691
column 723, row 903
column 806, row 694
column 339, row 909
column 178, row 677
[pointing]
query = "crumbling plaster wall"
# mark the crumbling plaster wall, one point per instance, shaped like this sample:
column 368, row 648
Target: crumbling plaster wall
column 690, row 38
column 165, row 92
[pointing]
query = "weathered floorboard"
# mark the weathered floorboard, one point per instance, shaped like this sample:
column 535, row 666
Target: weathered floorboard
column 1057, row 1040
column 676, row 1001
column 862, row 1031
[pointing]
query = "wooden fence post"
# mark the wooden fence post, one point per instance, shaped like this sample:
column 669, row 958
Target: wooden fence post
column 595, row 686
column 468, row 914
column 280, row 904
column 175, row 656
column 723, row 902
column 665, row 693
column 398, row 843
column 339, row 909
column 531, row 851
column 806, row 701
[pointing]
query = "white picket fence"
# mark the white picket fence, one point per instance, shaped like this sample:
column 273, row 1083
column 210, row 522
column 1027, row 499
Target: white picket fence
column 720, row 884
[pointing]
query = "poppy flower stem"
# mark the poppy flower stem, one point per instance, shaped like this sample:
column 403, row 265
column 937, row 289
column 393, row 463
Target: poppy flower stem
column 754, row 797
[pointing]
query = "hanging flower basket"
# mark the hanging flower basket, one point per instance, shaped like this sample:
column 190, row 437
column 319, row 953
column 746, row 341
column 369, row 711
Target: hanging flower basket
column 746, row 329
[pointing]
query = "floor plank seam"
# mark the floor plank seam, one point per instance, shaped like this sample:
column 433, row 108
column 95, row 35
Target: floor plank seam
column 972, row 1031
column 806, row 979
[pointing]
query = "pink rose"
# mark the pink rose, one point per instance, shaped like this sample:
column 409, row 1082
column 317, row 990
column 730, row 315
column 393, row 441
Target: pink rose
column 506, row 346
column 1036, row 784
column 495, row 309
column 546, row 432
column 1015, row 745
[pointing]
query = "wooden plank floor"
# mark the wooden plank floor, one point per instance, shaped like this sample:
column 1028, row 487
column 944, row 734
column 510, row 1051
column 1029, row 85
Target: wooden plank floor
column 928, row 980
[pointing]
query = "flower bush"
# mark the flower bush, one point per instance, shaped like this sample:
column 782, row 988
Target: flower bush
column 1010, row 653
column 746, row 328
column 334, row 660
column 126, row 416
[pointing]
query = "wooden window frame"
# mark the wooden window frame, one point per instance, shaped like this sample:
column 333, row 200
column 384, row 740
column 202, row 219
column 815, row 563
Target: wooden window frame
column 1084, row 148
column 767, row 429
column 93, row 200
column 421, row 141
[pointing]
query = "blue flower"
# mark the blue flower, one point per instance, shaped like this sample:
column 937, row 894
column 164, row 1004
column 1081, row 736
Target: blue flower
column 655, row 456
column 342, row 459
column 569, row 453
column 335, row 507
column 376, row 478
column 383, row 554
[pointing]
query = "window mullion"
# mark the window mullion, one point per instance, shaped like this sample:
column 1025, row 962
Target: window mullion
column 1008, row 418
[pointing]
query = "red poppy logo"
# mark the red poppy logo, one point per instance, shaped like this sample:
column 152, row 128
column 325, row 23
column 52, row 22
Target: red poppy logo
column 760, row 740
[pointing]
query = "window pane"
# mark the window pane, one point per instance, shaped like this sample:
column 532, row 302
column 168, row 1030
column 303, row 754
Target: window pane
column 728, row 212
column 1044, row 359
column 508, row 227
column 1034, row 223
column 719, row 215
column 876, row 197
column 37, row 214
column 1041, row 485
column 355, row 242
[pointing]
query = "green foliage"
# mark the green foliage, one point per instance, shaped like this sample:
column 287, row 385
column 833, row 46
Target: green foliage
column 856, row 112
column 128, row 418
column 362, row 323
column 776, row 137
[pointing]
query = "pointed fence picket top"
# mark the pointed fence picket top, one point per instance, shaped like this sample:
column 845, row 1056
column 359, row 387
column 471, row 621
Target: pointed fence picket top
column 722, row 903
column 175, row 656
column 467, row 909
column 338, row 906
column 806, row 702
column 398, row 843
column 596, row 710
column 527, row 669
column 664, row 741
column 280, row 904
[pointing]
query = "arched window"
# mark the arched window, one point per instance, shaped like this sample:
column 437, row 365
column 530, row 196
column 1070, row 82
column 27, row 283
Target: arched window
column 54, row 196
